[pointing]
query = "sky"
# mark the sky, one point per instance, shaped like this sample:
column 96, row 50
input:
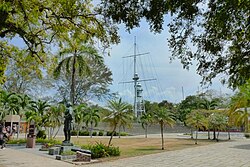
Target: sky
column 173, row 83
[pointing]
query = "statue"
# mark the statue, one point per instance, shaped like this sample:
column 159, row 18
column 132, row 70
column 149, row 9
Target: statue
column 67, row 124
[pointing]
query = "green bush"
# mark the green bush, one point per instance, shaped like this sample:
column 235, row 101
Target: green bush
column 123, row 134
column 100, row 150
column 73, row 133
column 84, row 133
column 247, row 135
column 110, row 132
column 94, row 133
column 48, row 141
column 17, row 141
column 41, row 134
column 101, row 133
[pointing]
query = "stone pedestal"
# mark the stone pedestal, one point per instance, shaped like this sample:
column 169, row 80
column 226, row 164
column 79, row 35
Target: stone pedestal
column 54, row 151
column 82, row 157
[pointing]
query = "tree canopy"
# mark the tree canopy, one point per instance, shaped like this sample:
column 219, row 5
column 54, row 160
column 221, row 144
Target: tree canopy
column 215, row 33
column 41, row 25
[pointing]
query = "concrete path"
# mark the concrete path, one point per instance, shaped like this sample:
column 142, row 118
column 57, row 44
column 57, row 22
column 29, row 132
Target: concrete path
column 225, row 154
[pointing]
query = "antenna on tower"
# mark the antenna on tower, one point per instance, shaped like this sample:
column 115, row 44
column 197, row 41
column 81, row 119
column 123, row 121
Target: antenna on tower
column 138, row 100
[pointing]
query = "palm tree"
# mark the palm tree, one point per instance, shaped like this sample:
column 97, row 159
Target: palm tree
column 197, row 120
column 119, row 113
column 76, row 63
column 10, row 103
column 91, row 116
column 163, row 117
column 238, row 111
column 146, row 119
column 79, row 112
column 54, row 119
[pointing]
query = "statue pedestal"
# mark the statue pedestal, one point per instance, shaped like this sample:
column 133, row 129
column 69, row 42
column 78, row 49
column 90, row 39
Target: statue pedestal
column 67, row 143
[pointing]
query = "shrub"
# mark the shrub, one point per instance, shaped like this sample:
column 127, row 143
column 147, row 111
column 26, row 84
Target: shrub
column 73, row 133
column 84, row 133
column 48, row 141
column 94, row 133
column 123, row 134
column 247, row 135
column 110, row 132
column 100, row 150
column 16, row 141
column 41, row 134
column 100, row 133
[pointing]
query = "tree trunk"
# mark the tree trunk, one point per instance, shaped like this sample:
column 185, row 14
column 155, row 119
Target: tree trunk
column 246, row 120
column 91, row 129
column 162, row 138
column 218, row 136
column 57, row 132
column 196, row 136
column 228, row 131
column 208, row 133
column 214, row 134
column 191, row 131
column 72, row 87
column 112, row 134
column 119, row 131
column 146, row 131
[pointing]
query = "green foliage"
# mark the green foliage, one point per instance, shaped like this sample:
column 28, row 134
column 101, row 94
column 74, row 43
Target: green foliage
column 83, row 133
column 41, row 134
column 213, row 33
column 100, row 150
column 119, row 114
column 48, row 141
column 17, row 141
column 123, row 134
column 101, row 133
column 94, row 133
column 73, row 132
column 68, row 153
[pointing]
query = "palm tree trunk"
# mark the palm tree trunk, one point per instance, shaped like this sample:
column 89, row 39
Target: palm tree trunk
column 119, row 131
column 146, row 131
column 57, row 132
column 246, row 120
column 112, row 134
column 91, row 129
column 162, row 138
column 72, row 87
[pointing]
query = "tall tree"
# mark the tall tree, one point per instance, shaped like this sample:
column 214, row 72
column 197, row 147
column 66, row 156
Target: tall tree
column 119, row 113
column 76, row 63
column 163, row 117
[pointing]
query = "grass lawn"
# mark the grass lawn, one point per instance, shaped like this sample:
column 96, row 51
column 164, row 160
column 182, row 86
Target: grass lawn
column 132, row 146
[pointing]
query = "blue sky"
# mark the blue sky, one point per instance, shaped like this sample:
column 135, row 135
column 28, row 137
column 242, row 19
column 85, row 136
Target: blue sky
column 171, row 77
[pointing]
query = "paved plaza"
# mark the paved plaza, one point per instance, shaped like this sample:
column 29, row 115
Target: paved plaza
column 235, row 153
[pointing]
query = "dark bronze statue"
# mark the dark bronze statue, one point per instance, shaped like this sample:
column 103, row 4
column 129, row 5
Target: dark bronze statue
column 67, row 124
